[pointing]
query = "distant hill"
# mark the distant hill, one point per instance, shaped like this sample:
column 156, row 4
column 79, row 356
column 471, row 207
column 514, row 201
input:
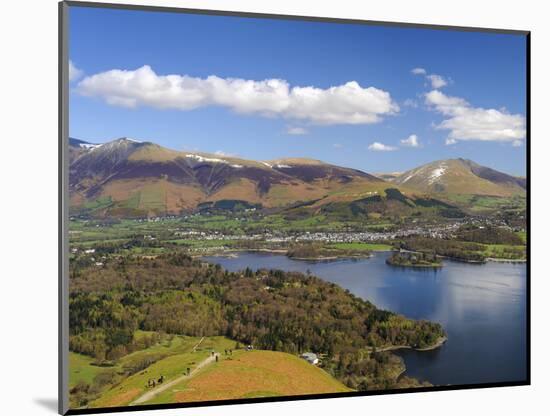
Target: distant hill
column 128, row 177
column 388, row 201
column 460, row 176
column 387, row 176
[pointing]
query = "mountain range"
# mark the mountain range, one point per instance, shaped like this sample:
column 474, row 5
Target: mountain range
column 126, row 177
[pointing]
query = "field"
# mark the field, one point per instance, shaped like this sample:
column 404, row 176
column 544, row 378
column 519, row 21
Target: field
column 479, row 204
column 202, row 243
column 522, row 235
column 361, row 246
column 505, row 251
column 249, row 374
column 81, row 369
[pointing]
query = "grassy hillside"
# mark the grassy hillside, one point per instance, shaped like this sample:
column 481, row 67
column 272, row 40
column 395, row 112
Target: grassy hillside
column 483, row 204
column 387, row 202
column 81, row 369
column 249, row 374
column 119, row 382
column 242, row 374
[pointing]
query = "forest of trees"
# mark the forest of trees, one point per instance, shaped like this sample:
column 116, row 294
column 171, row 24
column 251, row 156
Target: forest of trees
column 271, row 309
column 459, row 250
column 469, row 244
column 311, row 251
column 417, row 259
column 488, row 235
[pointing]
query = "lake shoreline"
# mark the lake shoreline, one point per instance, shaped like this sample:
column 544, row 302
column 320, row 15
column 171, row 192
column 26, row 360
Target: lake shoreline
column 330, row 258
column 449, row 296
column 439, row 343
column 497, row 260
column 232, row 253
column 235, row 254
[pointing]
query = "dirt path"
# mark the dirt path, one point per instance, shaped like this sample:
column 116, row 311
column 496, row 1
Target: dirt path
column 165, row 386
column 198, row 343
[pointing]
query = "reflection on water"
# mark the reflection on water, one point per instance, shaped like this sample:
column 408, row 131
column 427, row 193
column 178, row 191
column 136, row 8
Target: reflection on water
column 482, row 307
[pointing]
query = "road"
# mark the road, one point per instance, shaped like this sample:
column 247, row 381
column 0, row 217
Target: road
column 165, row 386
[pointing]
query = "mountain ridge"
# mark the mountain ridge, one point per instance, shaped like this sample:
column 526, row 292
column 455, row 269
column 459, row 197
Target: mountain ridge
column 132, row 178
column 128, row 170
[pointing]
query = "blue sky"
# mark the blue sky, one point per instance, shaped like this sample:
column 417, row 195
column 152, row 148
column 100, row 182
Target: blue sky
column 479, row 114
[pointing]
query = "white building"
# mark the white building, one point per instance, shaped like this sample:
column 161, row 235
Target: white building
column 310, row 358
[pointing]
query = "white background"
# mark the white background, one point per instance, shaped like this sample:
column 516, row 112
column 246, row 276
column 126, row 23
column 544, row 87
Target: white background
column 28, row 205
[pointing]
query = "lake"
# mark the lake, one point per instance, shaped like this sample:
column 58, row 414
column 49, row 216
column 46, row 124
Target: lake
column 482, row 308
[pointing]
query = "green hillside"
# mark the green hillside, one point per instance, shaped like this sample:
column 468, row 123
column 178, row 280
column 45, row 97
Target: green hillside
column 247, row 374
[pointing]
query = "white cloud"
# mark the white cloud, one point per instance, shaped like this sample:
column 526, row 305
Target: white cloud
column 449, row 141
column 381, row 147
column 465, row 122
column 74, row 72
column 296, row 131
column 411, row 141
column 337, row 145
column 437, row 81
column 343, row 104
column 418, row 71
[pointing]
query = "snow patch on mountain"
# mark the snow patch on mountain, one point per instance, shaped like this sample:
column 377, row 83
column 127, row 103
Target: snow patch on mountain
column 200, row 158
column 407, row 178
column 437, row 173
column 89, row 145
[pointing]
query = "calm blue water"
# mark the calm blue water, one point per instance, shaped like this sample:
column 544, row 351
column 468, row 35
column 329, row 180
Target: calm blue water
column 482, row 308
